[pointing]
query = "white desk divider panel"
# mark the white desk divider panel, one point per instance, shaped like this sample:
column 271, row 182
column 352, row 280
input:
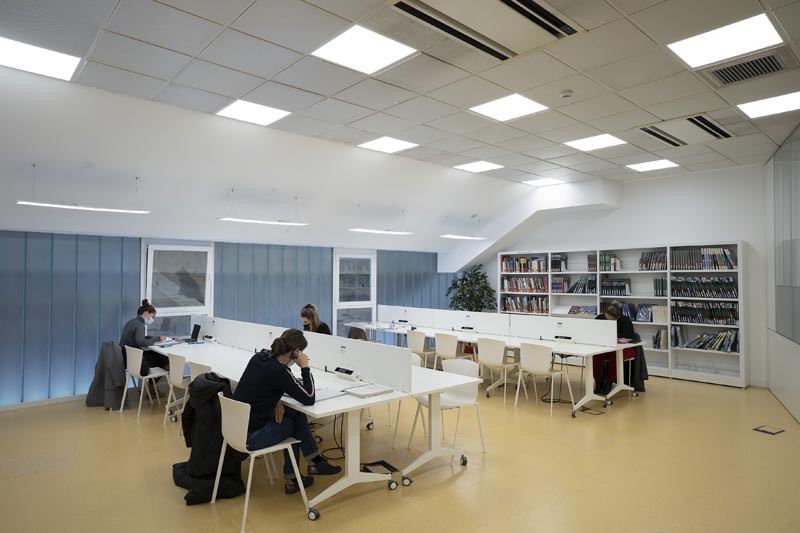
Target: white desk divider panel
column 491, row 323
column 599, row 332
column 415, row 316
column 244, row 335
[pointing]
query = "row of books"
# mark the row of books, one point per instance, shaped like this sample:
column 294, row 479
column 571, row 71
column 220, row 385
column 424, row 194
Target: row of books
column 660, row 340
column 643, row 313
column 526, row 304
column 653, row 260
column 726, row 313
column 713, row 287
column 585, row 285
column 523, row 264
column 591, row 260
column 703, row 259
column 525, row 284
column 558, row 263
column 659, row 286
column 721, row 341
column 559, row 284
column 615, row 287
column 609, row 263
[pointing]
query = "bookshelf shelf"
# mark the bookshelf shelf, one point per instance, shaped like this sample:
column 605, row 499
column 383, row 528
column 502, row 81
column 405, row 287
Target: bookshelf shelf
column 587, row 268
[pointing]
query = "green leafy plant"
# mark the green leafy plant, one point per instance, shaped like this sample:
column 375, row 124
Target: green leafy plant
column 471, row 291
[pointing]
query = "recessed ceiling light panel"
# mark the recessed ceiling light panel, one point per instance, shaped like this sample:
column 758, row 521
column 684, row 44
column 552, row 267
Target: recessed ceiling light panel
column 478, row 166
column 387, row 145
column 23, row 56
column 462, row 237
column 543, row 182
column 652, row 165
column 772, row 106
column 255, row 113
column 268, row 222
column 84, row 208
column 380, row 231
column 595, row 143
column 363, row 50
column 509, row 107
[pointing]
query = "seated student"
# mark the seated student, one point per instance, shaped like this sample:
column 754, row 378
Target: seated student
column 311, row 322
column 624, row 324
column 604, row 380
column 267, row 378
column 134, row 335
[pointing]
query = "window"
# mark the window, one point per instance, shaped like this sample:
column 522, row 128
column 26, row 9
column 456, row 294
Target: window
column 787, row 238
column 353, row 288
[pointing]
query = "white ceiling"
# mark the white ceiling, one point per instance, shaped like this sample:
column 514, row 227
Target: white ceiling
column 204, row 54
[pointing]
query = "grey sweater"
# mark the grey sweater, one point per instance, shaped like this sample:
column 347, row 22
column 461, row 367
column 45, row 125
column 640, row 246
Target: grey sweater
column 133, row 334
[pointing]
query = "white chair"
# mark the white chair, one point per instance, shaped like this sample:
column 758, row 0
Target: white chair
column 416, row 342
column 177, row 381
column 134, row 357
column 456, row 398
column 447, row 348
column 536, row 360
column 416, row 360
column 492, row 355
column 197, row 369
column 235, row 419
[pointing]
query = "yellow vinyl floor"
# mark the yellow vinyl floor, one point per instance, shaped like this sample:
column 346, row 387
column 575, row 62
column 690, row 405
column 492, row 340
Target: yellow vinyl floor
column 682, row 457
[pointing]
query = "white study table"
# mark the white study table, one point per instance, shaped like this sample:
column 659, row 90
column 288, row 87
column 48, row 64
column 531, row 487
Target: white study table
column 586, row 351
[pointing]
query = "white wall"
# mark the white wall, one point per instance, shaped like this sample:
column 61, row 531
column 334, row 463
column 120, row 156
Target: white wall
column 726, row 205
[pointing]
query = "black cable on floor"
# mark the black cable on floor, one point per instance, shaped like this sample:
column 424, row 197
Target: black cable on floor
column 337, row 440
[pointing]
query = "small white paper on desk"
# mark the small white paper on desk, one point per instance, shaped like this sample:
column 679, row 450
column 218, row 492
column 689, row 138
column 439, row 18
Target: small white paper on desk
column 326, row 393
column 170, row 342
column 367, row 391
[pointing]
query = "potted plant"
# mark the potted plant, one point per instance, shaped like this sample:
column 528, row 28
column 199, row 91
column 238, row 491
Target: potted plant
column 471, row 291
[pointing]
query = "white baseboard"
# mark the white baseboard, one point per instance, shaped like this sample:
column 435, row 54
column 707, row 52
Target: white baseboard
column 40, row 403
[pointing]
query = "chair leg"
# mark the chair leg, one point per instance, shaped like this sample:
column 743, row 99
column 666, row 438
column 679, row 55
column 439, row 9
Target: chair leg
column 424, row 423
column 269, row 469
column 170, row 399
column 219, row 471
column 142, row 382
column 505, row 382
column 396, row 424
column 141, row 397
column 535, row 391
column 247, row 493
column 155, row 386
column 480, row 425
column 299, row 479
column 414, row 425
column 552, row 392
column 519, row 384
column 125, row 393
column 389, row 406
column 569, row 388
column 455, row 435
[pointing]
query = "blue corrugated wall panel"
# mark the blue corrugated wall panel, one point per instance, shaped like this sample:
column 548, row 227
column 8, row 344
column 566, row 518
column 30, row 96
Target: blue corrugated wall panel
column 410, row 279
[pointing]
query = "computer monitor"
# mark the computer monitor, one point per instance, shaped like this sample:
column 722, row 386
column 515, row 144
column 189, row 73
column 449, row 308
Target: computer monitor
column 195, row 332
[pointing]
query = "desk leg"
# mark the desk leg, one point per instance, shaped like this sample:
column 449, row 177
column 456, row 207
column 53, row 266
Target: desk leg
column 588, row 381
column 352, row 465
column 620, row 386
column 435, row 448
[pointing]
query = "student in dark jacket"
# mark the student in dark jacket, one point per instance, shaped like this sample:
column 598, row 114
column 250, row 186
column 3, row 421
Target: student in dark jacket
column 134, row 334
column 265, row 380
column 624, row 324
column 311, row 321
column 605, row 365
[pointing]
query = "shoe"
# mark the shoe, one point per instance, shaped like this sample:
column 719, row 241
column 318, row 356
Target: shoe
column 292, row 487
column 323, row 468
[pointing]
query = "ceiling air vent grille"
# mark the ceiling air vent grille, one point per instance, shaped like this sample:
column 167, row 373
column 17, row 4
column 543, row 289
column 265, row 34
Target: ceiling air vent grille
column 688, row 130
column 540, row 16
column 747, row 70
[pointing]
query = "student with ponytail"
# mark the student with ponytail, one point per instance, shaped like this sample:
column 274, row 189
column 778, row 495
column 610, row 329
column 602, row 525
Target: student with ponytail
column 134, row 334
column 265, row 380
column 311, row 321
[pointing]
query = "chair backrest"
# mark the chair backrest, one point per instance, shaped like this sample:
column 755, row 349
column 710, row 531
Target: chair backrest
column 416, row 341
column 491, row 351
column 462, row 393
column 196, row 369
column 134, row 361
column 357, row 333
column 177, row 364
column 535, row 357
column 416, row 359
column 235, row 419
column 446, row 345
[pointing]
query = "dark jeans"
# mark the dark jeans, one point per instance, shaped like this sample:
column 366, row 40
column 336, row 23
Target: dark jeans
column 294, row 424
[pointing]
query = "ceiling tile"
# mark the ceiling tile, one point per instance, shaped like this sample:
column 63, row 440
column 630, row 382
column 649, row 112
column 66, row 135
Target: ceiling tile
column 789, row 18
column 550, row 94
column 587, row 14
column 775, row 4
column 666, row 89
column 631, row 6
column 164, row 26
column 424, row 135
column 303, row 125
column 423, row 153
column 460, row 122
column 624, row 121
column 574, row 159
column 673, row 20
column 349, row 9
column 602, row 106
column 422, row 73
column 772, row 85
column 523, row 144
column 612, row 153
column 743, row 146
column 742, row 128
column 469, row 92
column 318, row 76
column 236, row 50
column 550, row 152
column 191, row 98
column 349, row 135
column 130, row 54
column 697, row 103
column 779, row 127
column 281, row 96
column 699, row 158
column 216, row 79
column 570, row 133
column 615, row 173
column 336, row 112
column 392, row 24
column 291, row 23
column 652, row 65
column 594, row 166
column 374, row 94
column 495, row 134
column 383, row 124
column 711, row 165
column 727, row 115
column 636, row 137
column 91, row 12
column 514, row 160
column 221, row 12
column 456, row 144
column 546, row 120
column 606, row 44
column 524, row 72
column 451, row 160
column 462, row 56
column 421, row 109
column 684, row 151
column 562, row 172
column 537, row 167
column 485, row 152
column 507, row 173
column 118, row 80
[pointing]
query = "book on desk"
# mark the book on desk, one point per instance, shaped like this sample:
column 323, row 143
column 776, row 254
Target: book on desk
column 368, row 390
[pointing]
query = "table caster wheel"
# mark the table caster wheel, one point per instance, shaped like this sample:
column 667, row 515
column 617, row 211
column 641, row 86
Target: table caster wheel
column 488, row 394
column 573, row 414
column 463, row 460
column 317, row 438
column 635, row 394
column 606, row 403
column 169, row 411
column 371, row 426
column 407, row 481
column 392, row 484
column 173, row 418
column 313, row 514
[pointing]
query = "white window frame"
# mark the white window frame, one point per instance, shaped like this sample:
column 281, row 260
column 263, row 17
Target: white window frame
column 345, row 253
column 208, row 308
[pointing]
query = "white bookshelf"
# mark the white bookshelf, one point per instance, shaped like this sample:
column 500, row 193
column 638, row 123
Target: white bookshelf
column 710, row 366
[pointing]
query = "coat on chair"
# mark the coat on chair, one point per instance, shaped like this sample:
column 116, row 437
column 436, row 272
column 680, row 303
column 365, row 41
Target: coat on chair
column 109, row 378
column 202, row 431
